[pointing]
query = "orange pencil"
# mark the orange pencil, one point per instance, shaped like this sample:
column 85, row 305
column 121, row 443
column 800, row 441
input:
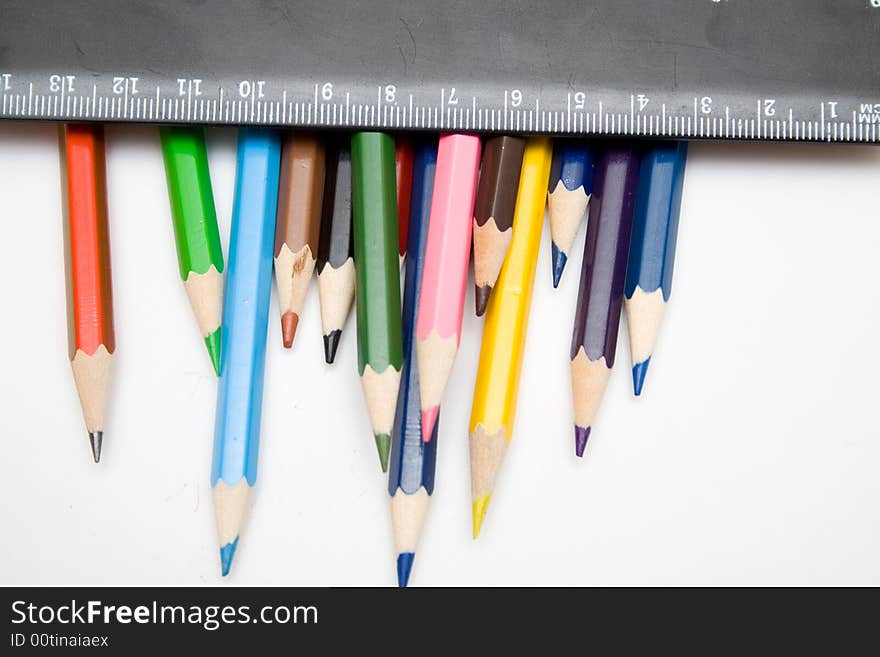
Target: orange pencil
column 90, row 337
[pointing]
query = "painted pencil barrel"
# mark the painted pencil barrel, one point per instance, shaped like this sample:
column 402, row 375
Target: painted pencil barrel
column 90, row 331
column 504, row 335
column 652, row 249
column 403, row 173
column 377, row 288
column 413, row 459
column 493, row 212
column 298, row 225
column 603, row 273
column 447, row 256
column 335, row 263
column 196, row 234
column 245, row 322
column 568, row 193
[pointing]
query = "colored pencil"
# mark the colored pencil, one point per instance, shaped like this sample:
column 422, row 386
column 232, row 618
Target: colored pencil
column 652, row 250
column 447, row 256
column 569, row 189
column 603, row 272
column 411, row 474
column 493, row 212
column 403, row 174
column 199, row 254
column 504, row 333
column 91, row 340
column 335, row 250
column 298, row 225
column 377, row 287
column 245, row 323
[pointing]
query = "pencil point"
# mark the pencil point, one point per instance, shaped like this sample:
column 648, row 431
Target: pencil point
column 581, row 435
column 481, row 296
column 480, row 506
column 289, row 320
column 212, row 342
column 404, row 566
column 383, row 445
column 559, row 260
column 429, row 419
column 226, row 554
column 96, row 439
column 640, row 370
column 331, row 343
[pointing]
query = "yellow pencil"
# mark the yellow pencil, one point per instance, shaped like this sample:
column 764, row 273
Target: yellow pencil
column 504, row 333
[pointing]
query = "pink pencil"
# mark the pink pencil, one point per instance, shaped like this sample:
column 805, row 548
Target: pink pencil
column 447, row 255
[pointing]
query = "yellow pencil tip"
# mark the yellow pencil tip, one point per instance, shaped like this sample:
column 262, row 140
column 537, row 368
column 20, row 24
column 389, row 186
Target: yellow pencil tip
column 480, row 506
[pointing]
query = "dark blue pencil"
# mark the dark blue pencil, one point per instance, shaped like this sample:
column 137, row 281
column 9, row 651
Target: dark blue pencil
column 411, row 472
column 568, row 192
column 652, row 250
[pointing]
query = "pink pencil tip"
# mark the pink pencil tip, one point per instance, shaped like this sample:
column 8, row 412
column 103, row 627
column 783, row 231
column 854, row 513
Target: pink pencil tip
column 429, row 419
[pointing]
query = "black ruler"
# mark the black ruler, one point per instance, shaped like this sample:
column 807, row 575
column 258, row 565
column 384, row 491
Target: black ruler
column 720, row 69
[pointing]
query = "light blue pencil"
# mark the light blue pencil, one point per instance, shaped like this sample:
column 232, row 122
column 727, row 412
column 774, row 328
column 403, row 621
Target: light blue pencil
column 245, row 322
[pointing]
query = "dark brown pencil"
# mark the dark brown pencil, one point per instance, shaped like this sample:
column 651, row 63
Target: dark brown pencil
column 298, row 225
column 493, row 212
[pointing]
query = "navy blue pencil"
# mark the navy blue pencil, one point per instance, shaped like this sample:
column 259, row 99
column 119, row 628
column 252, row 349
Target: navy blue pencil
column 652, row 250
column 411, row 472
column 568, row 193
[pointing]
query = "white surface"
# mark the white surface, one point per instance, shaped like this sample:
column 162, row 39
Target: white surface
column 751, row 459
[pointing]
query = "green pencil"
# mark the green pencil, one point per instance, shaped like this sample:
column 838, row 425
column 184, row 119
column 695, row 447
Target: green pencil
column 195, row 229
column 377, row 283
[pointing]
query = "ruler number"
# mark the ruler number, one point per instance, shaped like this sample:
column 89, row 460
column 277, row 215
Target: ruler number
column 706, row 105
column 327, row 91
column 769, row 107
column 452, row 99
column 580, row 100
column 515, row 97
column 61, row 82
column 391, row 93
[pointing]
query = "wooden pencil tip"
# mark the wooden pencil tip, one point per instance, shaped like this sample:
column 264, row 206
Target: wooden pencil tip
column 481, row 298
column 383, row 446
column 226, row 554
column 559, row 260
column 404, row 567
column 479, row 510
column 212, row 342
column 289, row 321
column 581, row 435
column 331, row 344
column 640, row 370
column 96, row 440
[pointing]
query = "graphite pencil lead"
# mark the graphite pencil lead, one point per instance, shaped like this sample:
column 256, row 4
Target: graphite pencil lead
column 331, row 344
column 96, row 440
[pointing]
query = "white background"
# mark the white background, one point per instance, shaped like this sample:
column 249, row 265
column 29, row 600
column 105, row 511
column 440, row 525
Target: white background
column 752, row 458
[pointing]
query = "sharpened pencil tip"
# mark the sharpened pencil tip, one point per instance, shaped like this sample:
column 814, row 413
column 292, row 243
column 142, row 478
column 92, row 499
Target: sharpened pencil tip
column 429, row 420
column 481, row 298
column 559, row 260
column 212, row 342
column 226, row 554
column 640, row 371
column 581, row 435
column 480, row 506
column 383, row 445
column 289, row 320
column 404, row 566
column 96, row 440
column 331, row 344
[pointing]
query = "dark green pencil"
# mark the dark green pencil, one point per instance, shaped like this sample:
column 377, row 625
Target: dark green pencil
column 377, row 287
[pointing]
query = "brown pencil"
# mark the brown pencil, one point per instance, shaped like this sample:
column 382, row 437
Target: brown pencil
column 298, row 225
column 493, row 212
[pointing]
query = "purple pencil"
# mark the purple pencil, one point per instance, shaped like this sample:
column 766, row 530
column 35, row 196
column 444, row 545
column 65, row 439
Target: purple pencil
column 603, row 274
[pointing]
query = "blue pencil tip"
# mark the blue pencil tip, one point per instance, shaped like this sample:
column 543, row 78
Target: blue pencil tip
column 640, row 370
column 226, row 554
column 559, row 260
column 404, row 566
